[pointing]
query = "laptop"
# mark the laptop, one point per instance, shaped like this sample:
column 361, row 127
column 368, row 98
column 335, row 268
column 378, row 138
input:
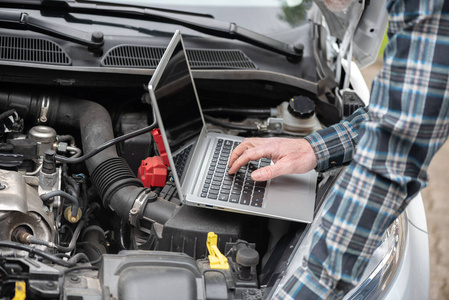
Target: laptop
column 198, row 156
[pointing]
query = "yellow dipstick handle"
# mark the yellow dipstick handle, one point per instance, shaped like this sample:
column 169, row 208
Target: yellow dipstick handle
column 216, row 259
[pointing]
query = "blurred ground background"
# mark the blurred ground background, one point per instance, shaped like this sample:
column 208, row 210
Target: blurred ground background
column 436, row 203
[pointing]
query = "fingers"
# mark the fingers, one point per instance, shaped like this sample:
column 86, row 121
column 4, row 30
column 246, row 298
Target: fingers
column 237, row 152
column 246, row 157
column 289, row 156
column 244, row 153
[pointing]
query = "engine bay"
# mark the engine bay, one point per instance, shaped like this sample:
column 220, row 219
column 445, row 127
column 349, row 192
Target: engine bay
column 89, row 209
column 72, row 202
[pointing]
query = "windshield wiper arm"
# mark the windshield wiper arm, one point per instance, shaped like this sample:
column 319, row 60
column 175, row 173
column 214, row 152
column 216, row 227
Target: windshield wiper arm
column 202, row 24
column 20, row 20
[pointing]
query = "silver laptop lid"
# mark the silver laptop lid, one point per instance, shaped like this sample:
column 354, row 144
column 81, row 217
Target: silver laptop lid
column 175, row 101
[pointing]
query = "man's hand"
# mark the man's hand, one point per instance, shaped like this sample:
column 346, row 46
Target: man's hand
column 289, row 156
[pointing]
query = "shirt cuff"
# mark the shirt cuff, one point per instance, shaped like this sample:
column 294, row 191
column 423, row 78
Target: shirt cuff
column 319, row 146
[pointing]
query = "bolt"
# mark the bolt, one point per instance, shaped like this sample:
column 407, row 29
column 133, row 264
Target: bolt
column 97, row 37
column 2, row 186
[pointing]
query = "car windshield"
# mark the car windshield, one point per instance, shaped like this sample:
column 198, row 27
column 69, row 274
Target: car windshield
column 262, row 16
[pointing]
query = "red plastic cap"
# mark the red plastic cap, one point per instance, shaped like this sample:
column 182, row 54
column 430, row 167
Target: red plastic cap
column 152, row 172
column 160, row 145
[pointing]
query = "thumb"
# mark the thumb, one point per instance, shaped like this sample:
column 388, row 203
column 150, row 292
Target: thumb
column 265, row 173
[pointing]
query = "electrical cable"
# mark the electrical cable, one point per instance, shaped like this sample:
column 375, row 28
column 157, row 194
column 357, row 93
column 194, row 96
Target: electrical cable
column 33, row 251
column 67, row 196
column 62, row 255
column 239, row 112
column 70, row 181
column 229, row 125
column 75, row 236
column 7, row 114
column 75, row 160
column 78, row 229
column 79, row 257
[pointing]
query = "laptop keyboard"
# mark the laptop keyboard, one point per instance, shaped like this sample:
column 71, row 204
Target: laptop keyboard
column 236, row 188
column 180, row 159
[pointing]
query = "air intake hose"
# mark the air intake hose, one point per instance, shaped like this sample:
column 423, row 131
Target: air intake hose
column 111, row 176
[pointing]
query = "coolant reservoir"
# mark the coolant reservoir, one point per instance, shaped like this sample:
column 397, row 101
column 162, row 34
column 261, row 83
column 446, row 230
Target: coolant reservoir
column 299, row 115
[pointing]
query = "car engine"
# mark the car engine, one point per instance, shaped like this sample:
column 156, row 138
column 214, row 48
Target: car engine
column 78, row 220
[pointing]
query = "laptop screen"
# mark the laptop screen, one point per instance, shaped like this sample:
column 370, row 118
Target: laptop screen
column 175, row 94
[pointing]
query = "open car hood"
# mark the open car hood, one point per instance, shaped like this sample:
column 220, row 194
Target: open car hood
column 361, row 25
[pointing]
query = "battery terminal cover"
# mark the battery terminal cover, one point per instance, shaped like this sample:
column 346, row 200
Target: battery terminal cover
column 153, row 170
column 216, row 259
column 157, row 136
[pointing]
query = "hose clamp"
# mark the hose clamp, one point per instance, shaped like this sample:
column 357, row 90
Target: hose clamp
column 44, row 109
column 136, row 212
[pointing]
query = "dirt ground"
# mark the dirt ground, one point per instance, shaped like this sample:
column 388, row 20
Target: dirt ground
column 436, row 204
column 437, row 209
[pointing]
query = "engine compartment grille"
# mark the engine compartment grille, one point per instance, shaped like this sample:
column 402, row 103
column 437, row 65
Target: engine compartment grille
column 148, row 57
column 35, row 50
column 133, row 56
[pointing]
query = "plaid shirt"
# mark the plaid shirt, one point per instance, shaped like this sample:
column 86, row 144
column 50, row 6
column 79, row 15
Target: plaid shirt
column 389, row 147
